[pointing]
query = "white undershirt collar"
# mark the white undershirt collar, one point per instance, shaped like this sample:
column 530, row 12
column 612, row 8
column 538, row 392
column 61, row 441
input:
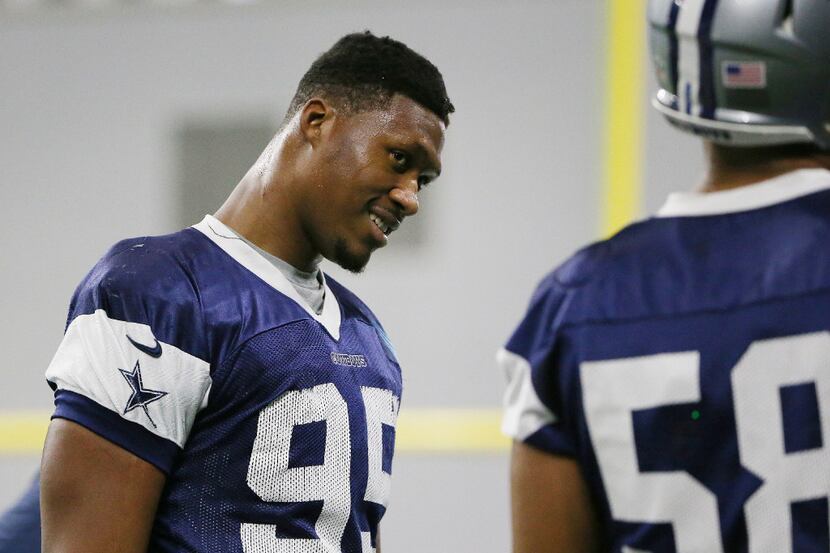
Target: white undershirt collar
column 249, row 258
column 763, row 194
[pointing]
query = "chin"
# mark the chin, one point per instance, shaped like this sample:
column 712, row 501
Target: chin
column 349, row 259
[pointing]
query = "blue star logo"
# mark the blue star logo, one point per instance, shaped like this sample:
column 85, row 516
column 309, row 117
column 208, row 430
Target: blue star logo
column 141, row 396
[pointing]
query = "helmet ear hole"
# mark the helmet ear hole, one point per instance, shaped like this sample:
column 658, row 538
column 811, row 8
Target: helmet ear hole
column 787, row 25
column 826, row 117
column 788, row 11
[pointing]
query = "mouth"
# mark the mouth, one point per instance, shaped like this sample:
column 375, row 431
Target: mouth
column 384, row 228
column 386, row 222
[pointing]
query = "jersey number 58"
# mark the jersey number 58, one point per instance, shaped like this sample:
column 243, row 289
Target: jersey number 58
column 613, row 389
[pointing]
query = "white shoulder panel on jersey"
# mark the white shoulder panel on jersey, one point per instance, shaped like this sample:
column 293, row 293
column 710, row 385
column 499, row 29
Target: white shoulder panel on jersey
column 524, row 412
column 153, row 384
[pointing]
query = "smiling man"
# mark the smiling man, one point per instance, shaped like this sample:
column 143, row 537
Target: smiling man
column 215, row 391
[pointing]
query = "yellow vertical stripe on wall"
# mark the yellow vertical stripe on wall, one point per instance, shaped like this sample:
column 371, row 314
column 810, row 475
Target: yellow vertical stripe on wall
column 622, row 136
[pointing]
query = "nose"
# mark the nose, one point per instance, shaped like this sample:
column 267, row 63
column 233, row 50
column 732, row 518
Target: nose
column 405, row 196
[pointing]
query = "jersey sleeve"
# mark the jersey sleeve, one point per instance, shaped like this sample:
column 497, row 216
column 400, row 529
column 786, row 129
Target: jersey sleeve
column 528, row 362
column 132, row 366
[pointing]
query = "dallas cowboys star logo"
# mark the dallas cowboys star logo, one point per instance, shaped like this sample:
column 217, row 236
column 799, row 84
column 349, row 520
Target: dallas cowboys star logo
column 141, row 396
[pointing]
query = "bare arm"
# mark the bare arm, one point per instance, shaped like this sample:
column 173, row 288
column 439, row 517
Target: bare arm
column 95, row 496
column 551, row 507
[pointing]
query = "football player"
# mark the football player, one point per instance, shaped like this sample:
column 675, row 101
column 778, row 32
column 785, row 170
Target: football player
column 669, row 388
column 214, row 390
column 20, row 524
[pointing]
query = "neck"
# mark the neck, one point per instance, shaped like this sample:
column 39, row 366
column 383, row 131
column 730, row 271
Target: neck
column 260, row 209
column 731, row 167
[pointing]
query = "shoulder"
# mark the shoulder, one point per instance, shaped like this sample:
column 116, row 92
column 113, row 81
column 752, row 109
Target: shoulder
column 608, row 258
column 138, row 262
column 589, row 284
column 148, row 267
column 148, row 281
column 137, row 316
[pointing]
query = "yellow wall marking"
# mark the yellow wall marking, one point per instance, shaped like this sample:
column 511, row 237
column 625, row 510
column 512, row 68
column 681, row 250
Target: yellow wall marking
column 22, row 432
column 450, row 430
column 624, row 120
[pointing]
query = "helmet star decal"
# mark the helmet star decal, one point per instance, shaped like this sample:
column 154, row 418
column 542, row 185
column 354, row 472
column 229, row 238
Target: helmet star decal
column 141, row 396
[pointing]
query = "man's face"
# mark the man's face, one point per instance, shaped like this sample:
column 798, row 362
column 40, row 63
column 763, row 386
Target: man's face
column 368, row 169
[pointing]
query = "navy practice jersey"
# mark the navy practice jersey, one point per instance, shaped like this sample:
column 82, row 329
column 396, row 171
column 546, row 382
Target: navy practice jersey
column 274, row 425
column 685, row 364
column 20, row 525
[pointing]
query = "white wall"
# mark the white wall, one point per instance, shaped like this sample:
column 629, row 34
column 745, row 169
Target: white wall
column 89, row 105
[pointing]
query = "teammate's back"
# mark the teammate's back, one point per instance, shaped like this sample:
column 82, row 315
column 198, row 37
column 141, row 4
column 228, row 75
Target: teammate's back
column 710, row 252
column 684, row 366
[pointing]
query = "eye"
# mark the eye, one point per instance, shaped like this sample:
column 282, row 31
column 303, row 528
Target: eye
column 400, row 160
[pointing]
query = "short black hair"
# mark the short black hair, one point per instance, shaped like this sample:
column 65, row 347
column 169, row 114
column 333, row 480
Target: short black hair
column 363, row 71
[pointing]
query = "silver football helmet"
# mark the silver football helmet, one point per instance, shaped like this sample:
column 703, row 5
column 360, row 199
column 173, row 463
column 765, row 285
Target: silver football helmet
column 744, row 72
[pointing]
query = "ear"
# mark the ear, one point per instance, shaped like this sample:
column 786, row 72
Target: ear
column 314, row 116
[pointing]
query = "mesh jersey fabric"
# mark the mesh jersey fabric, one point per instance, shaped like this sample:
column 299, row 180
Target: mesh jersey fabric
column 264, row 415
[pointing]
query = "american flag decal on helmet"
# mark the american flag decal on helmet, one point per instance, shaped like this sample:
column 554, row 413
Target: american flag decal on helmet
column 744, row 74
